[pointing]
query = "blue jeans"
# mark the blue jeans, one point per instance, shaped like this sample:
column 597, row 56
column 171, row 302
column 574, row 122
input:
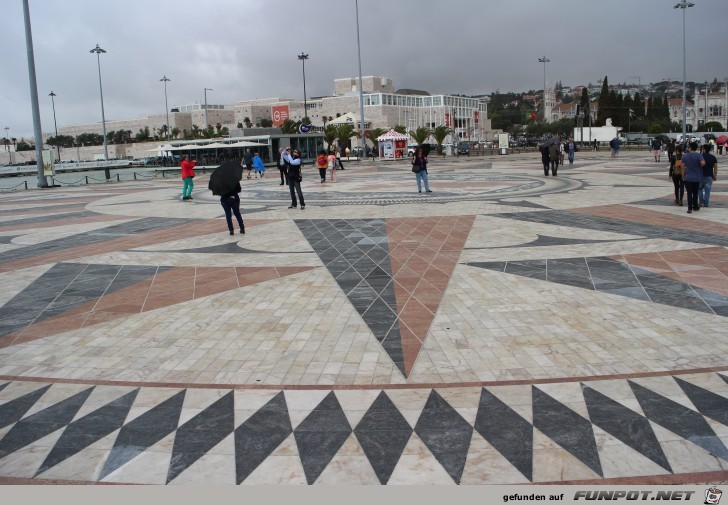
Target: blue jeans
column 704, row 191
column 422, row 176
column 571, row 156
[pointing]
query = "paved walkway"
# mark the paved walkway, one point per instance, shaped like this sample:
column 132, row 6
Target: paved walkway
column 506, row 328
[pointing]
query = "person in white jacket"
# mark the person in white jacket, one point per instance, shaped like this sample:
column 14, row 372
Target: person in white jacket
column 294, row 177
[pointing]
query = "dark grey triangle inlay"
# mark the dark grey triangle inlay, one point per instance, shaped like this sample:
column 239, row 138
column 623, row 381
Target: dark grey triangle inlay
column 725, row 378
column 43, row 423
column 320, row 436
column 566, row 428
column 144, row 431
column 14, row 410
column 2, row 386
column 383, row 434
column 680, row 420
column 708, row 403
column 89, row 429
column 507, row 431
column 200, row 434
column 446, row 434
column 355, row 254
column 260, row 435
column 625, row 425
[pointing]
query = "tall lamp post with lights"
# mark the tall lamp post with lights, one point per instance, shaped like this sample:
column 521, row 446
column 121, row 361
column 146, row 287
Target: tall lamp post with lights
column 98, row 52
column 544, row 60
column 684, row 5
column 165, row 80
column 303, row 57
column 206, row 90
column 361, row 83
column 55, row 124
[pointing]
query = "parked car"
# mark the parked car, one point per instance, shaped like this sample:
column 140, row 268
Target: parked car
column 463, row 148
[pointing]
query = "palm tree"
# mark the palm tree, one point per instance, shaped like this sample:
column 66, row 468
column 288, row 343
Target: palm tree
column 344, row 132
column 440, row 133
column 175, row 132
column 400, row 129
column 420, row 135
column 374, row 134
column 330, row 135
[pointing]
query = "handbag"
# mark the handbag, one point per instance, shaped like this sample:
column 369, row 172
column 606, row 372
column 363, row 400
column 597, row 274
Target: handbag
column 416, row 168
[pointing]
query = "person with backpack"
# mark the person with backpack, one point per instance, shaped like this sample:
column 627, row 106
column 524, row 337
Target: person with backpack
column 258, row 165
column 693, row 175
column 248, row 162
column 322, row 163
column 295, row 176
column 676, row 174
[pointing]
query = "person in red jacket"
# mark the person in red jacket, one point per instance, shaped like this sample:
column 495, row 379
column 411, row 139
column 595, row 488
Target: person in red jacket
column 188, row 174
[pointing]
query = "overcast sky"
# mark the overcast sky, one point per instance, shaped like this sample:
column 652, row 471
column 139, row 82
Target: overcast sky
column 245, row 49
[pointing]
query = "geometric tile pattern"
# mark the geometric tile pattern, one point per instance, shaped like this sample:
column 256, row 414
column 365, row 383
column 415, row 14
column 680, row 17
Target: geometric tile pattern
column 608, row 275
column 394, row 272
column 72, row 295
column 135, row 423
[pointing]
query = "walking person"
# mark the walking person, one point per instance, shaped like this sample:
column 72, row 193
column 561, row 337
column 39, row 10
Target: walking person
column 332, row 165
column 571, row 148
column 187, row 169
column 694, row 163
column 656, row 147
column 419, row 167
column 671, row 151
column 554, row 153
column 676, row 174
column 322, row 163
column 231, row 205
column 294, row 177
column 248, row 161
column 340, row 154
column 258, row 165
column 545, row 159
column 282, row 167
column 710, row 174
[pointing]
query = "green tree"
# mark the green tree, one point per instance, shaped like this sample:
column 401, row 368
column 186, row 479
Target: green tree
column 330, row 135
column 60, row 141
column 711, row 126
column 440, row 133
column 143, row 135
column 420, row 135
column 655, row 128
column 266, row 122
column 24, row 146
column 175, row 132
column 374, row 134
column 289, row 127
column 343, row 133
column 247, row 122
column 400, row 129
column 603, row 103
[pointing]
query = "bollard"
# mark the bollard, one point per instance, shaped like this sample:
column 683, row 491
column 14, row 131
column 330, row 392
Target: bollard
column 87, row 180
column 117, row 178
column 26, row 184
column 135, row 176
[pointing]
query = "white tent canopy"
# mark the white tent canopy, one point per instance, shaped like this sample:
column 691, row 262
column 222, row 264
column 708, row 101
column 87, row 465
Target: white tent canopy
column 392, row 135
column 348, row 118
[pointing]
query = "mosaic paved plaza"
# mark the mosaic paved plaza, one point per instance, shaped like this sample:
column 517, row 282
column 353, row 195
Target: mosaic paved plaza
column 507, row 328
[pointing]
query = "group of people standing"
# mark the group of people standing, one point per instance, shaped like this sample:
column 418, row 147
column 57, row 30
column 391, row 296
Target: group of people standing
column 692, row 172
column 553, row 154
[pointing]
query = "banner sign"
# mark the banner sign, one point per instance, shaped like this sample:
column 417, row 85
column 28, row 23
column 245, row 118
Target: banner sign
column 279, row 113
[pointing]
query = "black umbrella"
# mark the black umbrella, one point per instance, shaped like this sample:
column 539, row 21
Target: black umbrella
column 226, row 178
column 552, row 140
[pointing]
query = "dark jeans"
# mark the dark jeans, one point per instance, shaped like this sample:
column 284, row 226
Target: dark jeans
column 295, row 188
column 231, row 204
column 679, row 188
column 692, row 190
column 322, row 173
column 284, row 175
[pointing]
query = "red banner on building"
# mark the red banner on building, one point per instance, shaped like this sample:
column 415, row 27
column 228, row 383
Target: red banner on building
column 447, row 119
column 475, row 116
column 279, row 113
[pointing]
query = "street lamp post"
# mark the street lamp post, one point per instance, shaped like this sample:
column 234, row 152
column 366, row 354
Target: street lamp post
column 303, row 57
column 98, row 52
column 544, row 60
column 206, row 90
column 55, row 124
column 165, row 80
column 684, row 5
column 361, row 83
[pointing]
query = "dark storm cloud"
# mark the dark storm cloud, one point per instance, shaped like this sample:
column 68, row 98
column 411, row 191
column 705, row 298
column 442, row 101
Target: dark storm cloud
column 247, row 49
